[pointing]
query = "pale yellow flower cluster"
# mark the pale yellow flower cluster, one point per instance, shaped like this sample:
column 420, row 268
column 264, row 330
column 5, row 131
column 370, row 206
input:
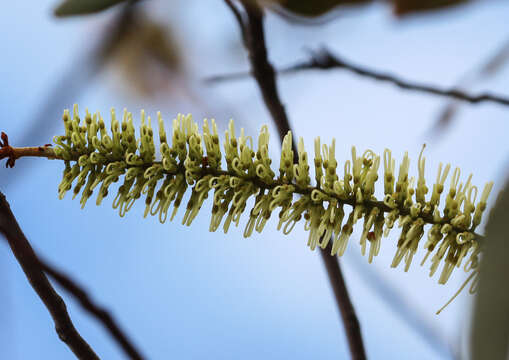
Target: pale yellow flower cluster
column 96, row 158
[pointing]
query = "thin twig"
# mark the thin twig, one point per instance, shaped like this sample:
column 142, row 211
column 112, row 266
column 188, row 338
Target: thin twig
column 263, row 72
column 29, row 262
column 325, row 60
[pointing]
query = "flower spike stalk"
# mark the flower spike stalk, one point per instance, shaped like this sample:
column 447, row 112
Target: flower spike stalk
column 96, row 158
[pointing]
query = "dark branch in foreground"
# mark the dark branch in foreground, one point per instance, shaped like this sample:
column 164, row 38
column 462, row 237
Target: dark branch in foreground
column 101, row 314
column 325, row 60
column 6, row 151
column 254, row 40
column 29, row 262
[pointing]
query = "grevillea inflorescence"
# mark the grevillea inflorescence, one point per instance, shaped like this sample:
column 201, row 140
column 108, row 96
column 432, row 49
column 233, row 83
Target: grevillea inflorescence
column 95, row 159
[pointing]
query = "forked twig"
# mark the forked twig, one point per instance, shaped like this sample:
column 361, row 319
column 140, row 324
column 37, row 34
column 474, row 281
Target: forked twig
column 325, row 60
column 29, row 262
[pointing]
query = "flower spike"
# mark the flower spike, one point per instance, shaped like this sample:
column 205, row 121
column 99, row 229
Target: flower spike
column 95, row 159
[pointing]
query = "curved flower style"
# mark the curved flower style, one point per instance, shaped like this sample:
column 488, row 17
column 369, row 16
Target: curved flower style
column 94, row 159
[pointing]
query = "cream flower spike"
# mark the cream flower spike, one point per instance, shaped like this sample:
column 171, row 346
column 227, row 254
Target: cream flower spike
column 95, row 159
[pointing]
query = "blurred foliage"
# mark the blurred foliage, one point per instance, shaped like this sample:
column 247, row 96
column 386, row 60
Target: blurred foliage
column 403, row 7
column 490, row 328
column 82, row 7
column 306, row 9
column 148, row 56
column 316, row 7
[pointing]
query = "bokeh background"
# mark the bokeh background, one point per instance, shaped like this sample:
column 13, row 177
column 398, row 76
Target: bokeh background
column 182, row 292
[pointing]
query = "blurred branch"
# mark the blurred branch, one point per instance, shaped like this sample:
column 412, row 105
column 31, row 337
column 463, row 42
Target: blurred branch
column 254, row 40
column 487, row 70
column 29, row 262
column 101, row 314
column 408, row 313
column 325, row 60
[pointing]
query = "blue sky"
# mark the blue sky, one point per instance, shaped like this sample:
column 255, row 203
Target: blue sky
column 182, row 292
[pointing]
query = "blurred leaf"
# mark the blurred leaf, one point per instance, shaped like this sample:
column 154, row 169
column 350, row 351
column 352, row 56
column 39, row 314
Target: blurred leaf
column 490, row 328
column 81, row 7
column 309, row 12
column 314, row 8
column 148, row 56
column 307, row 9
column 404, row 7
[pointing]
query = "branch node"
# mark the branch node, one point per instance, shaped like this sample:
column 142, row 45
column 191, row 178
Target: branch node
column 6, row 151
